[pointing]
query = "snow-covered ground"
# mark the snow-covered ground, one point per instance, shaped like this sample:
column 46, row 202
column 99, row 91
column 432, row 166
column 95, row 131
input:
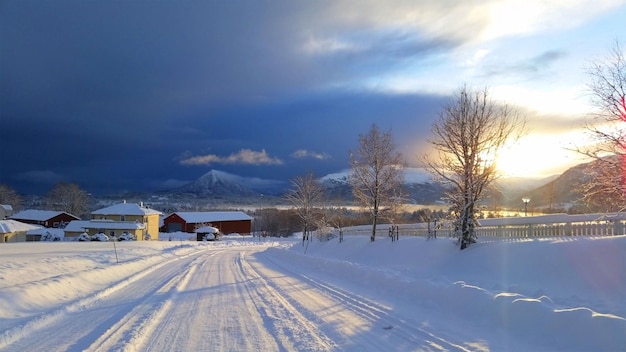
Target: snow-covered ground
column 242, row 294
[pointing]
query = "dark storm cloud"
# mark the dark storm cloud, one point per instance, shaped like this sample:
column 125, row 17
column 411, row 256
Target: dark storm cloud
column 110, row 94
column 537, row 65
column 327, row 124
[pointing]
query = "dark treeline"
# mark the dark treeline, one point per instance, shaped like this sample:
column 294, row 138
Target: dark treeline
column 286, row 222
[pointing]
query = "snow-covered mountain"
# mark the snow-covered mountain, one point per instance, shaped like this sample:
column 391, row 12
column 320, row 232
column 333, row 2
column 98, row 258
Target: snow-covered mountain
column 419, row 186
column 224, row 185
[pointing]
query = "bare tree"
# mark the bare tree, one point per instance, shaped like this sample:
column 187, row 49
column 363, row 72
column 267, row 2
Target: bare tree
column 338, row 218
column 468, row 134
column 377, row 174
column 607, row 128
column 305, row 194
column 68, row 197
column 9, row 196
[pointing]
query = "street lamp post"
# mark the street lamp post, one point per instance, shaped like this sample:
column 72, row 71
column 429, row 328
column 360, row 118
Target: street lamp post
column 525, row 200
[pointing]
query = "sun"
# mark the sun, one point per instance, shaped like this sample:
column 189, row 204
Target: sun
column 534, row 156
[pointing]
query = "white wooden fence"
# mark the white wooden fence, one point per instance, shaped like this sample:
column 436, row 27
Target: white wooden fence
column 553, row 225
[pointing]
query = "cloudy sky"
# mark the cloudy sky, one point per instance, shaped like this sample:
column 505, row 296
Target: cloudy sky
column 145, row 95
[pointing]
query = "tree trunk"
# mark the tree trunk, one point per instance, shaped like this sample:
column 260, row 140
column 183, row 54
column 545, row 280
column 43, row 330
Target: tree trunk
column 374, row 222
column 467, row 227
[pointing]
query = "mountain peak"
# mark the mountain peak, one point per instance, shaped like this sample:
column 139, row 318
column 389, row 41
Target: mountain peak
column 217, row 184
column 217, row 175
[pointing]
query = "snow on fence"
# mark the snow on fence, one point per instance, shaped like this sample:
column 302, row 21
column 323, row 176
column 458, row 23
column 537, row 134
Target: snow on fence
column 553, row 225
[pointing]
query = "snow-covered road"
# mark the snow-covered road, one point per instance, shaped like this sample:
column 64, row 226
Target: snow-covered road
column 222, row 299
column 240, row 294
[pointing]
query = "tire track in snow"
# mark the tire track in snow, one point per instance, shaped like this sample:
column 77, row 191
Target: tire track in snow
column 293, row 331
column 22, row 335
column 131, row 332
column 410, row 334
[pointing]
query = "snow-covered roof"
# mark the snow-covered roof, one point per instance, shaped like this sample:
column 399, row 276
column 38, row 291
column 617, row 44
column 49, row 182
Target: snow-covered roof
column 211, row 216
column 38, row 215
column 207, row 229
column 6, row 207
column 10, row 226
column 81, row 225
column 43, row 230
column 126, row 209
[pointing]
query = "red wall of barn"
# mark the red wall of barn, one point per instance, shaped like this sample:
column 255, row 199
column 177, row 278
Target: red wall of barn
column 65, row 218
column 240, row 226
column 174, row 219
column 226, row 227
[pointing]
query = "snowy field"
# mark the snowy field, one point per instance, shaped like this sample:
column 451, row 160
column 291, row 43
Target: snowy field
column 240, row 294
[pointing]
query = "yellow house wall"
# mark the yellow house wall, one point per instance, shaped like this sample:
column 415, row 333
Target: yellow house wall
column 69, row 234
column 150, row 221
column 12, row 237
column 152, row 226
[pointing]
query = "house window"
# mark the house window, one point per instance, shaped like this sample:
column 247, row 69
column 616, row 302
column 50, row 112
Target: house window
column 112, row 233
column 122, row 217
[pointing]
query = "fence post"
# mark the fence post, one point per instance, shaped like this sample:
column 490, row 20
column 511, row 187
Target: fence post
column 567, row 229
column 618, row 228
column 529, row 231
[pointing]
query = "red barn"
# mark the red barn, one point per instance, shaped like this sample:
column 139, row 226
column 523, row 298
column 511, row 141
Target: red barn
column 226, row 221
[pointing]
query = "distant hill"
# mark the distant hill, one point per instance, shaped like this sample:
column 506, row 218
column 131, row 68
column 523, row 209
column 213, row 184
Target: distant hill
column 565, row 188
column 557, row 190
column 509, row 191
column 221, row 184
column 419, row 186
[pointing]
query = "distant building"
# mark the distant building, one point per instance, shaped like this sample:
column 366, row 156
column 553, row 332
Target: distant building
column 45, row 218
column 6, row 211
column 16, row 231
column 131, row 218
column 110, row 228
column 226, row 221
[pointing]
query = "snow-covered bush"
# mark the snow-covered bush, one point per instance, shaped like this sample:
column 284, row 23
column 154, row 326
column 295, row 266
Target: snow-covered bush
column 100, row 237
column 83, row 237
column 325, row 236
column 127, row 237
column 49, row 237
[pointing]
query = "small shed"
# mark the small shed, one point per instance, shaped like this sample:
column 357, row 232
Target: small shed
column 207, row 233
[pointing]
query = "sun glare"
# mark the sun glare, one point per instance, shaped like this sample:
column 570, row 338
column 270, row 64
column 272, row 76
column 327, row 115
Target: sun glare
column 535, row 156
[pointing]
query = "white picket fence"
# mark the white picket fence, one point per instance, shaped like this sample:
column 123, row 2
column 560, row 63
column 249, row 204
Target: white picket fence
column 553, row 225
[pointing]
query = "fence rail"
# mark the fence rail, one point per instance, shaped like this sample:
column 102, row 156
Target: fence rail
column 605, row 224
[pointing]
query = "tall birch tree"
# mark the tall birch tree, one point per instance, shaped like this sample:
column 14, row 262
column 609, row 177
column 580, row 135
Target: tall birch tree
column 605, row 186
column 305, row 194
column 377, row 174
column 468, row 134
